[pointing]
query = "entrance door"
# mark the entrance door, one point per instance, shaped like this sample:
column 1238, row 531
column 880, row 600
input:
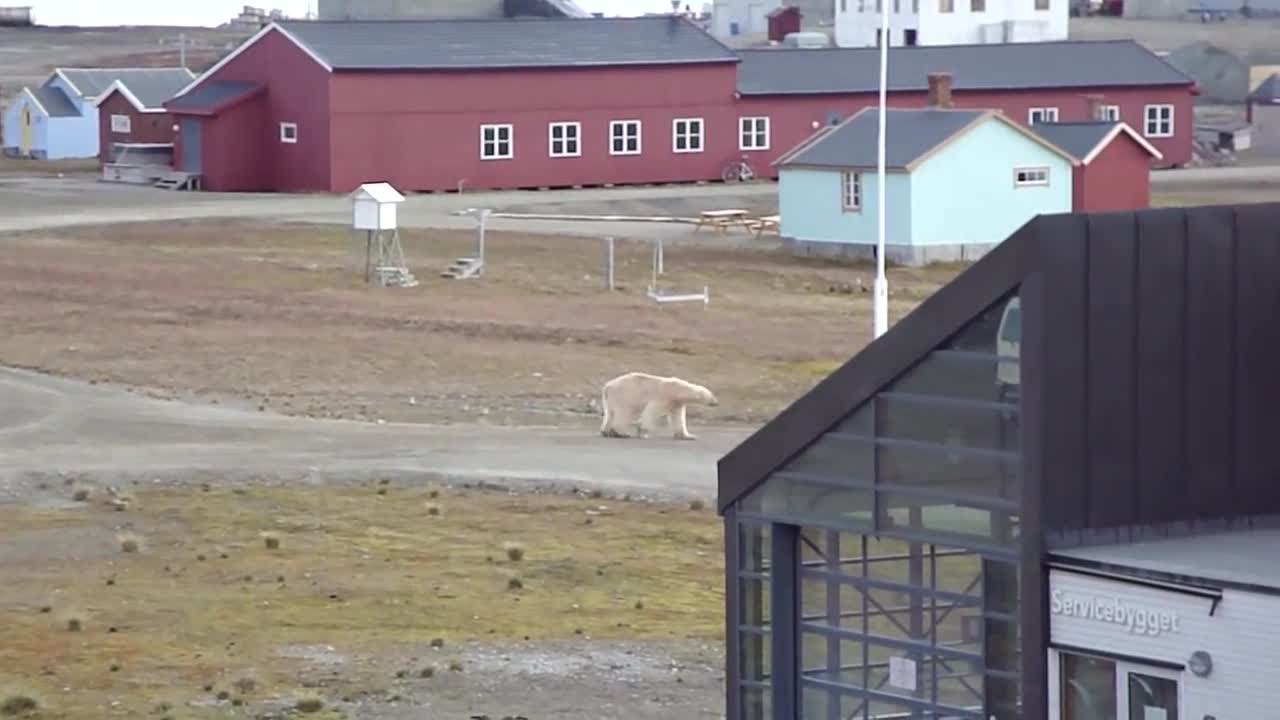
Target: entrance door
column 24, row 144
column 1085, row 687
column 192, row 145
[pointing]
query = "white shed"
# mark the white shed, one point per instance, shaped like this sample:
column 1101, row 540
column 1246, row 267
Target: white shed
column 374, row 206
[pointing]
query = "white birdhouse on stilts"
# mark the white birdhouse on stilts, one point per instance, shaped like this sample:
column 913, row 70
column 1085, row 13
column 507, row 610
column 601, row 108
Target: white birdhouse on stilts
column 374, row 216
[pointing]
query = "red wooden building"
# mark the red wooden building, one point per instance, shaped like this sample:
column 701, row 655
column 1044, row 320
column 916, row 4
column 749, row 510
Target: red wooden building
column 1115, row 164
column 515, row 103
column 132, row 120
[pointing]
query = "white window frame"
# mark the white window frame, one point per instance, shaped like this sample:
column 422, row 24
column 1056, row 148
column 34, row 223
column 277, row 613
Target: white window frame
column 1111, row 113
column 851, row 191
column 1032, row 176
column 1050, row 114
column 289, row 132
column 497, row 141
column 688, row 135
column 122, row 124
column 750, row 130
column 570, row 135
column 626, row 131
column 1148, row 122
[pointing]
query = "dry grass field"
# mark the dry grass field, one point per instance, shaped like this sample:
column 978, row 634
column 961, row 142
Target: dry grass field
column 278, row 317
column 168, row 603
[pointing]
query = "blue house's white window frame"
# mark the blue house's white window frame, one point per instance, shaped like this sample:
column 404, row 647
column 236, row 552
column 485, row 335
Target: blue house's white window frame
column 851, row 191
column 497, row 141
column 121, row 124
column 1042, row 115
column 687, row 135
column 288, row 132
column 1157, row 120
column 1111, row 113
column 1031, row 176
column 564, row 139
column 753, row 133
column 624, row 137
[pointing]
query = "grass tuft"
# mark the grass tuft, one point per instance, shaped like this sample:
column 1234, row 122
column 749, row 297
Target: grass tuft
column 515, row 583
column 455, row 666
column 427, row 672
column 432, row 509
column 309, row 705
column 130, row 543
column 18, row 704
column 74, row 624
column 697, row 506
column 515, row 552
column 81, row 494
column 271, row 541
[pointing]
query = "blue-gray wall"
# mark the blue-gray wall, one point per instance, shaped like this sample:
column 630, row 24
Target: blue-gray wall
column 811, row 206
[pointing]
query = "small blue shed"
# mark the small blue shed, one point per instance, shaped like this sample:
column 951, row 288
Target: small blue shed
column 958, row 181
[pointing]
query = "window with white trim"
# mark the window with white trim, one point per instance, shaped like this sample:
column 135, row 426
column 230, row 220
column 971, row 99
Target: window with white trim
column 1042, row 4
column 1030, row 176
column 1158, row 121
column 288, row 132
column 753, row 133
column 496, row 142
column 851, row 191
column 624, row 137
column 1042, row 115
column 565, row 139
column 1111, row 113
column 686, row 135
column 121, row 124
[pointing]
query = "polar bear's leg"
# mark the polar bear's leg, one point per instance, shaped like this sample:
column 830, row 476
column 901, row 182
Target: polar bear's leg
column 649, row 417
column 681, row 424
column 606, row 425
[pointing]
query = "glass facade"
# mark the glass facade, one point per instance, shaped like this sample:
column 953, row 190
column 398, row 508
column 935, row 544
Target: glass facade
column 897, row 533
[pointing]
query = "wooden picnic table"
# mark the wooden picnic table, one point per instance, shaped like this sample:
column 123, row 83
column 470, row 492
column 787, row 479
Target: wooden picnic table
column 721, row 220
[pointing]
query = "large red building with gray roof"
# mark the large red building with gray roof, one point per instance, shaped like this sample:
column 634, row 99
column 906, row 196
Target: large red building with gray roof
column 562, row 102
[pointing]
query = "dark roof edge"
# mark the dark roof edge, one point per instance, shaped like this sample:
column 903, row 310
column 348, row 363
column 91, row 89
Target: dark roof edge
column 961, row 89
column 526, row 66
column 884, row 359
column 1162, row 576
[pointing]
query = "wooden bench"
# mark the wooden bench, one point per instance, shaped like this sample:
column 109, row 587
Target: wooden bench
column 721, row 220
column 761, row 224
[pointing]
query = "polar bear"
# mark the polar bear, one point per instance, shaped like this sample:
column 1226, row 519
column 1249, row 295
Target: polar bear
column 638, row 398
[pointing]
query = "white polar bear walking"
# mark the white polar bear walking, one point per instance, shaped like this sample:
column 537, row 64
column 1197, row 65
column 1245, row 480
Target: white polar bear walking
column 638, row 398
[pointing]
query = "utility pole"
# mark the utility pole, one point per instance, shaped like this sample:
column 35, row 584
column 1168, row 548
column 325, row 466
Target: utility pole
column 880, row 290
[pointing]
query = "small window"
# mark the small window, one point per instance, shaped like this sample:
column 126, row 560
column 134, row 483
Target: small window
column 1111, row 113
column 1042, row 115
column 915, row 8
column 288, row 132
column 946, row 6
column 897, row 6
column 624, row 137
column 753, row 133
column 851, row 192
column 686, row 135
column 121, row 124
column 565, row 139
column 977, row 6
column 1030, row 176
column 879, row 6
column 1042, row 4
column 495, row 142
column 1158, row 121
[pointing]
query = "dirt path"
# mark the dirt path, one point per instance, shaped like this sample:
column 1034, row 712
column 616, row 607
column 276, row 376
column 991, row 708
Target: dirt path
column 54, row 426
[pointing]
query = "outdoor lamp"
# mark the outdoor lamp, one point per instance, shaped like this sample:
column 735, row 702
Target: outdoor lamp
column 1200, row 663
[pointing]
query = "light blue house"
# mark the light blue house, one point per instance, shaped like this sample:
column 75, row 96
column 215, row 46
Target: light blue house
column 959, row 182
column 59, row 119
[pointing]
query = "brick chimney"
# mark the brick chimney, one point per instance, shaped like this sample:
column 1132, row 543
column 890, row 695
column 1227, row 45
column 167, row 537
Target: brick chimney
column 939, row 90
column 1094, row 103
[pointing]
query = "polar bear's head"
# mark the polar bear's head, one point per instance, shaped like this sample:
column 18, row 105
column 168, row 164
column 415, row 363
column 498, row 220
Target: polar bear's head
column 706, row 396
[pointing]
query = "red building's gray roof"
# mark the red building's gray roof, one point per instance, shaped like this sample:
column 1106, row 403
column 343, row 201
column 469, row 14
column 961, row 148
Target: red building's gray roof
column 152, row 86
column 1077, row 138
column 507, row 43
column 211, row 96
column 1005, row 66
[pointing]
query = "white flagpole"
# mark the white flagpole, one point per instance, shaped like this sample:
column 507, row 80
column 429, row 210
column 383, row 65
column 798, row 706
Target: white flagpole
column 880, row 290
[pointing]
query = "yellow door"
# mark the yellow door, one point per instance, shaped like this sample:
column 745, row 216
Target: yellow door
column 25, row 144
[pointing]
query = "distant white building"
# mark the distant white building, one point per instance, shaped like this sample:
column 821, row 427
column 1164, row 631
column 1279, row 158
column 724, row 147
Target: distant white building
column 951, row 22
column 741, row 17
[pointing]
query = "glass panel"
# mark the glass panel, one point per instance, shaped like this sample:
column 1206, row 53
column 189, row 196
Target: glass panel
column 837, row 457
column 945, row 517
column 981, row 332
column 1003, row 649
column 792, row 497
column 950, row 470
column 817, row 703
column 1088, row 688
column 1152, row 698
column 753, row 547
column 755, row 602
column 945, row 375
column 1001, row 591
column 1004, row 696
column 951, row 423
column 756, row 660
column 756, row 704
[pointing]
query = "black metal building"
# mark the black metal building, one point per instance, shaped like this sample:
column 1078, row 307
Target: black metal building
column 1095, row 378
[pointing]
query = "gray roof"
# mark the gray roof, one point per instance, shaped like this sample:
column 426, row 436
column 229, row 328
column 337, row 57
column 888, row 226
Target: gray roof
column 55, row 102
column 1077, row 138
column 1268, row 91
column 1243, row 557
column 1007, row 66
column 210, row 95
column 496, row 43
column 152, row 86
column 909, row 134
